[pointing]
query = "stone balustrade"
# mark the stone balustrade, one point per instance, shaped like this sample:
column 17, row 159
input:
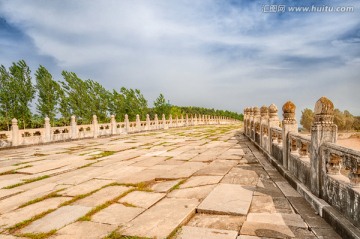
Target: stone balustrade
column 20, row 137
column 324, row 169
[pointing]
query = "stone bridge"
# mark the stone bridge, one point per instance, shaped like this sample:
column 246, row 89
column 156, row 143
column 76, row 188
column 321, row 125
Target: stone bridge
column 199, row 181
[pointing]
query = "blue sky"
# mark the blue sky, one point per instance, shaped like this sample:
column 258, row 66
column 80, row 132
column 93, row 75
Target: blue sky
column 210, row 53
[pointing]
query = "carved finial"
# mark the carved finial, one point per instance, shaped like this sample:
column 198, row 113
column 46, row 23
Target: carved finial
column 256, row 111
column 273, row 111
column 324, row 111
column 14, row 121
column 289, row 112
column 264, row 111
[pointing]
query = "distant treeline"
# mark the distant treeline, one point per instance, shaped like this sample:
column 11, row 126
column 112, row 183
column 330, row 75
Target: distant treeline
column 58, row 100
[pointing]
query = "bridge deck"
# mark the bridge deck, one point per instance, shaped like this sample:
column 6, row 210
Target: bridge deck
column 200, row 182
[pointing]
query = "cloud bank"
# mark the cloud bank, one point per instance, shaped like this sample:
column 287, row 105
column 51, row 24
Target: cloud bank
column 217, row 54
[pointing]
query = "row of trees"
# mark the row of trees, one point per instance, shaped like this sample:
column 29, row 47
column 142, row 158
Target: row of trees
column 58, row 100
column 344, row 120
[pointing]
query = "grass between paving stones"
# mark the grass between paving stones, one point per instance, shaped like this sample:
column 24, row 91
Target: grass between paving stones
column 143, row 186
column 14, row 171
column 40, row 235
column 26, row 222
column 47, row 196
column 39, row 154
column 102, row 154
column 26, row 181
column 177, row 186
column 117, row 235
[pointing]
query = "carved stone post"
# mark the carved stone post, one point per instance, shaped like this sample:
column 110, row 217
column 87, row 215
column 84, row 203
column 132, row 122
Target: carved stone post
column 95, row 126
column 164, row 126
column 177, row 121
column 127, row 124
column 73, row 128
column 14, row 132
column 186, row 120
column 251, row 122
column 170, row 121
column 147, row 127
column 195, row 120
column 47, row 128
column 264, row 117
column 156, row 122
column 273, row 122
column 323, row 130
column 113, row 124
column 191, row 119
column 256, row 126
column 288, row 125
column 182, row 120
column 138, row 123
column 245, row 120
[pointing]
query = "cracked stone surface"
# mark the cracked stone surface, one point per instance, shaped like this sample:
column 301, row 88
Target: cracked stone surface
column 194, row 182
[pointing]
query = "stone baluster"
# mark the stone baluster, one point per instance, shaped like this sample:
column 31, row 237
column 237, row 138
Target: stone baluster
column 170, row 121
column 138, row 123
column 273, row 122
column 264, row 117
column 127, row 124
column 182, row 120
column 113, row 125
column 323, row 130
column 164, row 126
column 156, row 122
column 251, row 122
column 73, row 128
column 256, row 126
column 186, row 120
column 14, row 132
column 288, row 125
column 177, row 121
column 195, row 120
column 147, row 127
column 47, row 128
column 95, row 126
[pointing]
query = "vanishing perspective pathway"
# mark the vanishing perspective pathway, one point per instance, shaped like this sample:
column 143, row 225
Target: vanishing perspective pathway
column 204, row 182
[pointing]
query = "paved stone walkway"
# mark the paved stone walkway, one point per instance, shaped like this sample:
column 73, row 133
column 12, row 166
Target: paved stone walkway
column 200, row 182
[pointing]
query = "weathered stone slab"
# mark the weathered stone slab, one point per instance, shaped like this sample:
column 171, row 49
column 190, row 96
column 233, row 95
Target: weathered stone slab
column 21, row 214
column 196, row 192
column 200, row 181
column 184, row 170
column 57, row 219
column 84, row 230
column 262, row 204
column 5, row 193
column 266, row 230
column 161, row 219
column 221, row 222
column 208, row 233
column 102, row 196
column 217, row 168
column 164, row 186
column 117, row 214
column 142, row 199
column 3, row 236
column 293, row 220
column 241, row 176
column 86, row 187
column 230, row 199
column 149, row 161
column 287, row 190
column 122, row 172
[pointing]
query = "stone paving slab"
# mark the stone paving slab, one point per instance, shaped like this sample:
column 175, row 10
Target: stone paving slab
column 117, row 214
column 102, row 196
column 85, row 187
column 221, row 222
column 196, row 181
column 84, row 230
column 21, row 214
column 184, row 170
column 57, row 219
column 199, row 193
column 229, row 199
column 266, row 230
column 161, row 219
column 164, row 186
column 208, row 233
column 241, row 176
column 142, row 199
column 217, row 168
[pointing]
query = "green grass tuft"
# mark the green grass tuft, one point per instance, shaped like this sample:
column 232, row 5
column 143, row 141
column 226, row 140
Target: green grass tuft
column 26, row 181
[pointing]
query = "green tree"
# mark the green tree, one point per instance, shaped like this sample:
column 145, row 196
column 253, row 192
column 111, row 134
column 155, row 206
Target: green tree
column 6, row 96
column 48, row 93
column 116, row 105
column 307, row 117
column 161, row 106
column 22, row 91
column 99, row 99
column 175, row 111
column 134, row 103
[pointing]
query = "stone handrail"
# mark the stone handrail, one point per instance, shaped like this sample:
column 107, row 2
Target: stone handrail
column 327, row 171
column 19, row 137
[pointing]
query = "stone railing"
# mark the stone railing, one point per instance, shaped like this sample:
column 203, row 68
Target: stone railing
column 19, row 137
column 322, row 168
